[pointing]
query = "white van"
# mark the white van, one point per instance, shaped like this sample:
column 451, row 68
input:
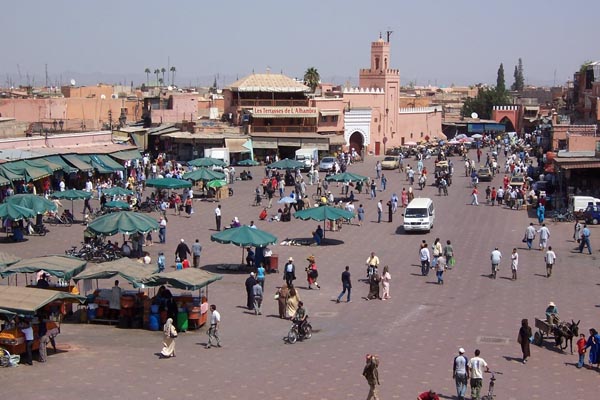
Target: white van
column 580, row 203
column 419, row 215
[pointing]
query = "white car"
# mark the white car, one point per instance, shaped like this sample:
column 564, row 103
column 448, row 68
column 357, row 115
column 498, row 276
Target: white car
column 327, row 164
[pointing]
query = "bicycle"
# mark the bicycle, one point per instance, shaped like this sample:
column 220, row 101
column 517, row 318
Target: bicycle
column 60, row 220
column 490, row 394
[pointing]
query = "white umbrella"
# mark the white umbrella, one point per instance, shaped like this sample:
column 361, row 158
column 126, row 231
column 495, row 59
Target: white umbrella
column 477, row 136
column 287, row 200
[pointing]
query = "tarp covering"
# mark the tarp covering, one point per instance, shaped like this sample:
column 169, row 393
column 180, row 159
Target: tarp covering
column 203, row 174
column 125, row 155
column 60, row 266
column 26, row 171
column 79, row 163
column 185, row 279
column 168, row 183
column 26, row 301
column 59, row 161
column 3, row 181
column 130, row 270
column 126, row 222
column 10, row 175
column 324, row 213
column 7, row 259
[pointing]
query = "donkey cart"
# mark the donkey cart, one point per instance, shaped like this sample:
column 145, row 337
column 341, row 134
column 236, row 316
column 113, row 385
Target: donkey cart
column 562, row 333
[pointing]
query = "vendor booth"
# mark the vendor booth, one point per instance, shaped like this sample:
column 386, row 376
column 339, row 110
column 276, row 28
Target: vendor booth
column 27, row 302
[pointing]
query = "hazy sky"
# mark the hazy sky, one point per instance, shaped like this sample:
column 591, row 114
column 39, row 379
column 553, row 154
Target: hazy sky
column 443, row 41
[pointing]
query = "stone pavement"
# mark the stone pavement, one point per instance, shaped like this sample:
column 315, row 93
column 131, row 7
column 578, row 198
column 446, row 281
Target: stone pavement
column 416, row 333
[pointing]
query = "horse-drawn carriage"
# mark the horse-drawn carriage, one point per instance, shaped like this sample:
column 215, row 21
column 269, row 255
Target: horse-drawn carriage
column 562, row 332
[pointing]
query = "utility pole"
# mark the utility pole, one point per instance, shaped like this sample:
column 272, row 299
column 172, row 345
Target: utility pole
column 46, row 74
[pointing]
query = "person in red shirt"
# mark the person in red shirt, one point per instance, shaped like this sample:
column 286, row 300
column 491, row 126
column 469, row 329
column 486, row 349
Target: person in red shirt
column 581, row 350
column 428, row 395
column 493, row 195
column 505, row 181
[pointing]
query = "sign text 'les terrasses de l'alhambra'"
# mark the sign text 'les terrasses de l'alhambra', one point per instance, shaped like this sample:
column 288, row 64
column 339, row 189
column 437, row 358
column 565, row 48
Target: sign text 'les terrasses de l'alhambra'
column 284, row 111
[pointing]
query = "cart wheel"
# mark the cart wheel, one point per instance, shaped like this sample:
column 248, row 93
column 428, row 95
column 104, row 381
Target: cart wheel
column 538, row 338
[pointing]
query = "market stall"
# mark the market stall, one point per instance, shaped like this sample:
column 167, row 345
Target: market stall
column 134, row 306
column 189, row 311
column 26, row 302
column 61, row 267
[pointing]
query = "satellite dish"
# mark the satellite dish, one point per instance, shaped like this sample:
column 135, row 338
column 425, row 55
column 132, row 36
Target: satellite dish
column 114, row 96
column 170, row 87
column 474, row 115
column 73, row 82
column 102, row 96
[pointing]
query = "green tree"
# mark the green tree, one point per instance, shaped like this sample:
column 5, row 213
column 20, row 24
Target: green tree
column 500, row 84
column 173, row 70
column 147, row 72
column 156, row 72
column 163, row 70
column 519, row 77
column 312, row 78
column 484, row 102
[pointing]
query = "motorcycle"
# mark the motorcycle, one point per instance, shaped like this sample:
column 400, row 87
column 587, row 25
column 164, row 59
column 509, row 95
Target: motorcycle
column 294, row 334
column 37, row 229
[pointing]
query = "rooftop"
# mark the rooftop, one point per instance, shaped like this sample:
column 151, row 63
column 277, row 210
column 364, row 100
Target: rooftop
column 268, row 83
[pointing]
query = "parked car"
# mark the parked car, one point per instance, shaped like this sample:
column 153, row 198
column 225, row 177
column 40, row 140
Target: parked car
column 327, row 164
column 390, row 162
column 517, row 181
column 484, row 174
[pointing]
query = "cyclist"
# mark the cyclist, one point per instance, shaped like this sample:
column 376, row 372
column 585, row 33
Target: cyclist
column 300, row 317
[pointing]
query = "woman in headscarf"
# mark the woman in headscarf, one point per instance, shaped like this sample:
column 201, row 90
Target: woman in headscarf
column 523, row 339
column 411, row 195
column 281, row 296
column 169, row 335
column 385, row 283
column 291, row 304
column 404, row 197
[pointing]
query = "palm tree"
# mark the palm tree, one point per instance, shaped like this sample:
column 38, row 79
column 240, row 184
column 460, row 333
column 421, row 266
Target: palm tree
column 163, row 70
column 147, row 72
column 156, row 72
column 312, row 78
column 172, row 69
column 160, row 81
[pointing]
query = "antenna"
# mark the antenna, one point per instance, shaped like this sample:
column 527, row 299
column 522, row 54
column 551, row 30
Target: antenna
column 46, row 74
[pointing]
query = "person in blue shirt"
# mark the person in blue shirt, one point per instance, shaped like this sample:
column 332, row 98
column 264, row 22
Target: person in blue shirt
column 585, row 239
column 161, row 261
column 260, row 274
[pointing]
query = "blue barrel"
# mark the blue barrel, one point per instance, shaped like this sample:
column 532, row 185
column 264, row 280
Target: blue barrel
column 91, row 313
column 153, row 323
column 154, row 308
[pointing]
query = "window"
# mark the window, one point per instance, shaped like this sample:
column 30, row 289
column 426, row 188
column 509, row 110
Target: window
column 334, row 119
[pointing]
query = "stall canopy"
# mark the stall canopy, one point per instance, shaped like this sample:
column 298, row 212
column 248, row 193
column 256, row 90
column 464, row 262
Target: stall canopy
column 44, row 164
column 126, row 155
column 206, row 162
column 59, row 161
column 3, row 181
column 60, row 266
column 26, row 301
column 186, row 279
column 25, row 171
column 130, row 270
column 38, row 204
column 102, row 163
column 203, row 174
column 168, row 183
column 79, row 163
column 346, row 177
column 286, row 163
column 127, row 222
column 7, row 259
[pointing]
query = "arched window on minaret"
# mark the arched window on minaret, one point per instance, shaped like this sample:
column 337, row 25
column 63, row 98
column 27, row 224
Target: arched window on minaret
column 385, row 67
column 376, row 63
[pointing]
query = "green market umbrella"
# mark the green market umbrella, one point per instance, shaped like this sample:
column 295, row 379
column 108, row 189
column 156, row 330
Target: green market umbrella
column 244, row 236
column 248, row 163
column 38, row 204
column 168, row 183
column 346, row 177
column 185, row 279
column 203, row 174
column 117, row 191
column 15, row 212
column 286, row 163
column 217, row 183
column 324, row 213
column 72, row 194
column 130, row 270
column 207, row 162
column 121, row 205
column 122, row 222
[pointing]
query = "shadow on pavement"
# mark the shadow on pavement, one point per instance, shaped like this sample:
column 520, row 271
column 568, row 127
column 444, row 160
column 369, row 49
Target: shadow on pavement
column 225, row 268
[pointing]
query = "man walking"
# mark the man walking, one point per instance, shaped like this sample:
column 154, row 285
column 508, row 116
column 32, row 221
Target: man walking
column 346, row 285
column 585, row 239
column 550, row 259
column 495, row 257
column 250, row 282
column 379, row 211
column 371, row 373
column 213, row 331
column 460, row 373
column 196, row 250
column 182, row 250
column 544, row 236
column 530, row 235
column 218, row 217
column 257, row 292
column 476, row 368
column 289, row 272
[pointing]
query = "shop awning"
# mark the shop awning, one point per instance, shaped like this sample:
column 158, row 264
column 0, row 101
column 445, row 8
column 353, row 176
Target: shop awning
column 26, row 171
column 10, row 175
column 60, row 266
column 42, row 163
column 59, row 161
column 130, row 270
column 126, row 155
column 322, row 145
column 289, row 142
column 337, row 140
column 236, row 145
column 186, row 279
column 264, row 143
column 80, row 163
column 327, row 113
column 26, row 301
column 581, row 165
column 4, row 181
column 102, row 163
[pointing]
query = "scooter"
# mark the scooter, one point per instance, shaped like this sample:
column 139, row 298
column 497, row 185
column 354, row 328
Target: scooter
column 294, row 334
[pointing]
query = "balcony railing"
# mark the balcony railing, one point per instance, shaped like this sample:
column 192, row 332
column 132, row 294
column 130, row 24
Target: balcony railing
column 269, row 103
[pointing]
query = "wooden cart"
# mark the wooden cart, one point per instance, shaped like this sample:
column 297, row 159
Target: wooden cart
column 546, row 330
